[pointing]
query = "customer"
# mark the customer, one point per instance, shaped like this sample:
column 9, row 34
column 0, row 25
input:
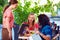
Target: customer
column 55, row 32
column 45, row 31
column 24, row 31
column 15, row 29
column 31, row 22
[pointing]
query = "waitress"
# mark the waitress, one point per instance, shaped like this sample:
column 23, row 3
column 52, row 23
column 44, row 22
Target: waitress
column 8, row 20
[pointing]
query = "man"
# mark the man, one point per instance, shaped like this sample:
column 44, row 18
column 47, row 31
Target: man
column 16, row 28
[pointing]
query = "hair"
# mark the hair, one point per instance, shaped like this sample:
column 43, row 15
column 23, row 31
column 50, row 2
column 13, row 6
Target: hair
column 43, row 20
column 11, row 2
column 33, row 20
column 22, row 28
column 55, row 25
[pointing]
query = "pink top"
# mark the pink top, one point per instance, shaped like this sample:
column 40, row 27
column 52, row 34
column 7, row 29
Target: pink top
column 35, row 26
column 8, row 15
column 32, row 28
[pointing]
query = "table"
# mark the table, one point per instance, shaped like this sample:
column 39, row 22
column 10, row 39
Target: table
column 33, row 37
column 23, row 38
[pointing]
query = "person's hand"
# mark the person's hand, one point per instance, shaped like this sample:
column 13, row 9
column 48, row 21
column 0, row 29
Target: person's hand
column 53, row 38
column 37, row 32
column 10, row 35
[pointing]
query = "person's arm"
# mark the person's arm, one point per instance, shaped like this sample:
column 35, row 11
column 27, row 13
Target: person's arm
column 8, row 24
column 46, row 33
column 42, row 35
column 56, row 36
column 45, row 37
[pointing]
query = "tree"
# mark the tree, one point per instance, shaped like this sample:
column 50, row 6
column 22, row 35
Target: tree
column 1, row 14
column 21, row 12
column 2, row 4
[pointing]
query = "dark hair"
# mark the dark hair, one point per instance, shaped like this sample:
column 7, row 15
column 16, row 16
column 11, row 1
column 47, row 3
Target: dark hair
column 33, row 20
column 22, row 28
column 55, row 25
column 43, row 20
column 11, row 2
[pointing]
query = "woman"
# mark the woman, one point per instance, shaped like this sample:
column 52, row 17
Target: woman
column 45, row 31
column 24, row 30
column 55, row 32
column 8, row 20
column 33, row 27
column 31, row 22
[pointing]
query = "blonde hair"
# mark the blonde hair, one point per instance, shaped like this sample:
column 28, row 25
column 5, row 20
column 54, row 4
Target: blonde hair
column 34, row 18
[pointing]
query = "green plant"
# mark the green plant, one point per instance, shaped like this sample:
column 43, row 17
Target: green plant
column 1, row 9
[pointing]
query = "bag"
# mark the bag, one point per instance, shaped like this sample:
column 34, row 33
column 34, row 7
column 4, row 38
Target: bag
column 35, row 37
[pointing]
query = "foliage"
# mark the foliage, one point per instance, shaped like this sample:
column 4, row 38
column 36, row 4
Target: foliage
column 1, row 14
column 58, row 5
column 3, row 2
column 21, row 12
